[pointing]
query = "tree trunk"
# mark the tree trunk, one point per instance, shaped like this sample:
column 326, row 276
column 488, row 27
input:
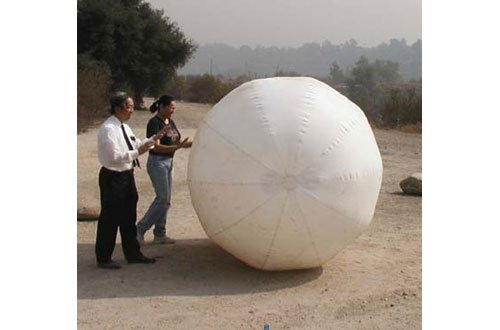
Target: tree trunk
column 138, row 102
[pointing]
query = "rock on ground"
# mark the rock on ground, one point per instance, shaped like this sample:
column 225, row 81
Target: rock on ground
column 412, row 185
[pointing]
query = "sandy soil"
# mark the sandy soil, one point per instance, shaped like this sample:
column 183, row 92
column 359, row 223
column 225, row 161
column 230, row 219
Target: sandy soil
column 374, row 283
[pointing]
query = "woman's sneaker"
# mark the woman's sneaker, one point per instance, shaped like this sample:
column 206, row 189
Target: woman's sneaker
column 163, row 240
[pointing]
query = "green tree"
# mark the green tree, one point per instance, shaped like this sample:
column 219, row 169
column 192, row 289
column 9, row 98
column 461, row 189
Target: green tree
column 141, row 46
column 336, row 74
column 386, row 71
column 366, row 84
column 368, row 73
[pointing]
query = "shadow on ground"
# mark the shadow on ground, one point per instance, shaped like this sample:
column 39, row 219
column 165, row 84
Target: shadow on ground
column 400, row 193
column 191, row 267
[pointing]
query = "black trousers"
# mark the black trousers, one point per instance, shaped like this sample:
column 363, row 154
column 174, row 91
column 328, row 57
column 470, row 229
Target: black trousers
column 118, row 210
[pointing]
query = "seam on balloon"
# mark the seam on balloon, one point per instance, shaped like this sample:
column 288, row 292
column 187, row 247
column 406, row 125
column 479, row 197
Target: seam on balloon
column 275, row 232
column 347, row 128
column 357, row 223
column 308, row 193
column 354, row 176
column 267, row 123
column 241, row 150
column 304, row 124
column 308, row 230
column 345, row 177
column 312, row 196
column 246, row 216
column 351, row 125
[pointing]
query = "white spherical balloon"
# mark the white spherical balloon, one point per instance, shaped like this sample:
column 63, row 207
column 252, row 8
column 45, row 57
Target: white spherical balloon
column 284, row 172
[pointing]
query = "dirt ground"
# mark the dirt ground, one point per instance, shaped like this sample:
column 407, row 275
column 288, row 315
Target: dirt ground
column 374, row 283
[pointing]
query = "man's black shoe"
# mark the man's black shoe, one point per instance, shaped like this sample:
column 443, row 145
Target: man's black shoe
column 141, row 260
column 109, row 265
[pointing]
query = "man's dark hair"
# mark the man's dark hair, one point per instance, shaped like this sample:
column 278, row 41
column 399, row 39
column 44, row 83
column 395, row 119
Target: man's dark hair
column 117, row 100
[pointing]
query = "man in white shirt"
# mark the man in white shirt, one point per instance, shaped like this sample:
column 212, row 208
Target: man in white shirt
column 118, row 151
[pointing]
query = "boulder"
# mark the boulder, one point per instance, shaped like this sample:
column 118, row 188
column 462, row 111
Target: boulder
column 412, row 185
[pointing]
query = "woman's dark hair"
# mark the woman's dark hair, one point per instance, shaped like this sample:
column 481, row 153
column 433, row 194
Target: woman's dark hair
column 117, row 100
column 163, row 100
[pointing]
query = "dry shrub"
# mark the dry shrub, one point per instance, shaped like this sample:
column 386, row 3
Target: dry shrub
column 176, row 87
column 402, row 105
column 93, row 85
column 202, row 88
column 411, row 128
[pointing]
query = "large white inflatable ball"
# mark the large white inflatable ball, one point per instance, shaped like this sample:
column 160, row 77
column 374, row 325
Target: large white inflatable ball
column 284, row 172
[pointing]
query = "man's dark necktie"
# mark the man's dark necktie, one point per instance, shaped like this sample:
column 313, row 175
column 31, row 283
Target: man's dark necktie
column 136, row 161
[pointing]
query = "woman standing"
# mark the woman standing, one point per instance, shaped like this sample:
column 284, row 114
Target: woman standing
column 160, row 163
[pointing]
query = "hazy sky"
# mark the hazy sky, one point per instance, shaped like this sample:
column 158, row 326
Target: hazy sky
column 294, row 22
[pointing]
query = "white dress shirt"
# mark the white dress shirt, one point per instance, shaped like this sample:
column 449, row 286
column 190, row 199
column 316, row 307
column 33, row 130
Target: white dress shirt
column 112, row 148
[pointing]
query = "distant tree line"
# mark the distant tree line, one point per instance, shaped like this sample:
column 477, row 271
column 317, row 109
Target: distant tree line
column 375, row 86
column 310, row 59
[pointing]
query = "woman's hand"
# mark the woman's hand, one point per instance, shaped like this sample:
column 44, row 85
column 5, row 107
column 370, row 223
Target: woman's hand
column 161, row 132
column 185, row 143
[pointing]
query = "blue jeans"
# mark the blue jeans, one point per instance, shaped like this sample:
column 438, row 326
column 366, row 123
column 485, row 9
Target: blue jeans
column 160, row 172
